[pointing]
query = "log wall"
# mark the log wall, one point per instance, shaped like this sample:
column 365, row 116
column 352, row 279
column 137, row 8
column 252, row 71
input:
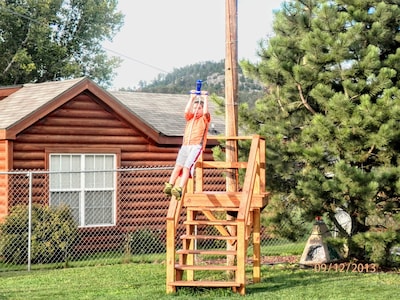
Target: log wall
column 3, row 180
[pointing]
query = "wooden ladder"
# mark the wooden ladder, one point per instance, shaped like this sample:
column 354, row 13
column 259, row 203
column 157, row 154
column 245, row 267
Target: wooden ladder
column 207, row 223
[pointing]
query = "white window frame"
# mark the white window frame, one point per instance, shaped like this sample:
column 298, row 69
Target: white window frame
column 71, row 174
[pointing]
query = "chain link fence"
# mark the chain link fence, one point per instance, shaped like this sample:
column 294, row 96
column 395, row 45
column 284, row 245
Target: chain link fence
column 67, row 219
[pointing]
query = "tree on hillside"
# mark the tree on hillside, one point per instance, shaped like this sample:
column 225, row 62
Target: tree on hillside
column 182, row 80
column 331, row 118
column 52, row 40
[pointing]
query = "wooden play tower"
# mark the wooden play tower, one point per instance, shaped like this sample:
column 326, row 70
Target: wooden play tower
column 231, row 217
column 208, row 210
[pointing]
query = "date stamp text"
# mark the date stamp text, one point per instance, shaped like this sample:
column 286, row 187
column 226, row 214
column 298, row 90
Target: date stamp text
column 346, row 267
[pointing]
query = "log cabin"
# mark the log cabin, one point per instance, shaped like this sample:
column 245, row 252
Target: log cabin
column 45, row 123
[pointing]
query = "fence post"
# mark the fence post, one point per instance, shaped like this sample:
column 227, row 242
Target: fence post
column 29, row 219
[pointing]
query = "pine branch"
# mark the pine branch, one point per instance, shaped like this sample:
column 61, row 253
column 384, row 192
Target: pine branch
column 303, row 100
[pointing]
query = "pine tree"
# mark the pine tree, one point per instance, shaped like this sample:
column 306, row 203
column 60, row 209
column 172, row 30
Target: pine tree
column 331, row 118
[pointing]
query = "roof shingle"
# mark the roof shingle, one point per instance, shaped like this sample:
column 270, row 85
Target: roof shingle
column 29, row 98
column 164, row 112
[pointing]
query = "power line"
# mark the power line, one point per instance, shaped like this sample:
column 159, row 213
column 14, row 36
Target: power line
column 135, row 60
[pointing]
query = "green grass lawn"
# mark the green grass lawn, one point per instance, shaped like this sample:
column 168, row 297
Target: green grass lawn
column 147, row 281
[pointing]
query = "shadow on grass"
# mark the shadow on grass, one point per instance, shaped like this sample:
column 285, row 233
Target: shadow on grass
column 281, row 277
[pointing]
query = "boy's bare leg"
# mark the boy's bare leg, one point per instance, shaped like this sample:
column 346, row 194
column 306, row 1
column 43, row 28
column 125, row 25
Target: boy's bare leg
column 170, row 184
column 177, row 190
column 184, row 178
column 175, row 174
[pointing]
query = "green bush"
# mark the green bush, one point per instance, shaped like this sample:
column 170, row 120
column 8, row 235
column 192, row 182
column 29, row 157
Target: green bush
column 53, row 234
column 378, row 245
column 143, row 241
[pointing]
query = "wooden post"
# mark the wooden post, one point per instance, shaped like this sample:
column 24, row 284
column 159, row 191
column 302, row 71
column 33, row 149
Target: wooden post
column 231, row 76
column 256, row 246
column 170, row 256
column 231, row 99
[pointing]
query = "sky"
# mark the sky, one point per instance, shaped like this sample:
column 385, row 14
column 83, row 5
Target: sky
column 159, row 36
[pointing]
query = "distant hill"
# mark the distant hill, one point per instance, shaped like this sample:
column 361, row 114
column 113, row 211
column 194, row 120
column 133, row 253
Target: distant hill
column 182, row 80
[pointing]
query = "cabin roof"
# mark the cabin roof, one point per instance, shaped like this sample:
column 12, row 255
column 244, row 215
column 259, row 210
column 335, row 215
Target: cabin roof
column 163, row 113
column 29, row 98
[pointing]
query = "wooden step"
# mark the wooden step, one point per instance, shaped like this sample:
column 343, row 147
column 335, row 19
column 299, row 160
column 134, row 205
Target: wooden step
column 205, row 267
column 207, row 252
column 211, row 223
column 223, row 199
column 207, row 237
column 204, row 283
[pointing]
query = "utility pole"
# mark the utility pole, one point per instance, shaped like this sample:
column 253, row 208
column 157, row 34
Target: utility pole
column 231, row 88
column 231, row 109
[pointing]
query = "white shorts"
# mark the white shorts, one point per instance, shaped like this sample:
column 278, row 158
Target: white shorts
column 187, row 155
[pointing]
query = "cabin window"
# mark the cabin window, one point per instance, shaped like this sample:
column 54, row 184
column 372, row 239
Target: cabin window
column 86, row 183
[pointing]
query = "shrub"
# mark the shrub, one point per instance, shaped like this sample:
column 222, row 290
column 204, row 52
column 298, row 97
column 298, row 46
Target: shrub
column 53, row 234
column 143, row 241
column 378, row 245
